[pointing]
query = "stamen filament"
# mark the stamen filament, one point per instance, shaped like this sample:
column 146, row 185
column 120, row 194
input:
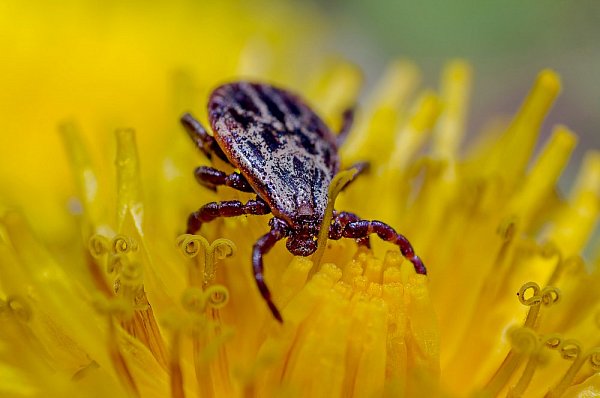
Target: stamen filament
column 455, row 91
column 518, row 141
column 523, row 341
column 129, row 186
column 335, row 90
column 412, row 135
column 574, row 224
column 175, row 366
column 383, row 112
column 542, row 178
column 85, row 176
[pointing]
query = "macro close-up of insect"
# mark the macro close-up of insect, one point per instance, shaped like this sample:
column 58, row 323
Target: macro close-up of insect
column 285, row 154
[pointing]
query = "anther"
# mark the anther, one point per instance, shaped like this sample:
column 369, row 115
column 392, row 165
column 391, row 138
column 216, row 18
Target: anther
column 98, row 245
column 123, row 244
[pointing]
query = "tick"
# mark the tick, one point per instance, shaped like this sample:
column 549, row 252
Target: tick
column 286, row 155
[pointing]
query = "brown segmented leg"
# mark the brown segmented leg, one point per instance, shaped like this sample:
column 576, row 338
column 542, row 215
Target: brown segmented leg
column 347, row 121
column 211, row 178
column 339, row 223
column 261, row 247
column 203, row 141
column 228, row 208
column 362, row 228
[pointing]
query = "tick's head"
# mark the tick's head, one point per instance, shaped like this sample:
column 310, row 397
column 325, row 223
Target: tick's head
column 302, row 240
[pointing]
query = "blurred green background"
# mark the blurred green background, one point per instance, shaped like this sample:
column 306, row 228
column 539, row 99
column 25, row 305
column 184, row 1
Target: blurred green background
column 507, row 42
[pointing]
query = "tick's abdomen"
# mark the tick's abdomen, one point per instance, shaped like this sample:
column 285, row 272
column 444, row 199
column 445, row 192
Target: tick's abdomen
column 285, row 151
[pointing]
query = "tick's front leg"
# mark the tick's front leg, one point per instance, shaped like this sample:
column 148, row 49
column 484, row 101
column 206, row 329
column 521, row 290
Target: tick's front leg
column 211, row 178
column 339, row 223
column 262, row 247
column 362, row 228
column 204, row 141
column 228, row 208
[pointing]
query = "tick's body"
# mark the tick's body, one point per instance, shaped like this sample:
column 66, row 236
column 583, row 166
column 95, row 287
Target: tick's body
column 284, row 150
column 288, row 157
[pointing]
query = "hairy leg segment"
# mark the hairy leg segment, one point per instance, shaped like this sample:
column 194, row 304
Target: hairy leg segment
column 228, row 208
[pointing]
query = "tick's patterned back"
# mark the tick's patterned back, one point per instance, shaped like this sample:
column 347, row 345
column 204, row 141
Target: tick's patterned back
column 284, row 149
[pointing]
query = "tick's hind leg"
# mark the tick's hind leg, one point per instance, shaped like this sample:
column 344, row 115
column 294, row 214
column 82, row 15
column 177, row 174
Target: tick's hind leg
column 363, row 228
column 204, row 141
column 211, row 178
column 347, row 121
column 228, row 208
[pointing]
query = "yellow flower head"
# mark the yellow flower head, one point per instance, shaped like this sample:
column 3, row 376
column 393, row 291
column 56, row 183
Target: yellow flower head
column 101, row 293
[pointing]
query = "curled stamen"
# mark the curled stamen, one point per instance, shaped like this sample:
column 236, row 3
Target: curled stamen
column 550, row 295
column 570, row 349
column 123, row 244
column 222, row 248
column 219, row 249
column 217, row 296
column 594, row 357
column 190, row 245
column 552, row 341
column 547, row 296
column 535, row 297
column 98, row 245
column 193, row 299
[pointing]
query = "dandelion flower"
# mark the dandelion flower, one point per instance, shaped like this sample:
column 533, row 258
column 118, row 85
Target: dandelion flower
column 132, row 307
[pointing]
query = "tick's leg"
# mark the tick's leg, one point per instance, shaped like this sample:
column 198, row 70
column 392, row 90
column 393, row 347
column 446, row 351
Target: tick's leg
column 362, row 228
column 204, row 141
column 228, row 208
column 347, row 120
column 262, row 247
column 339, row 223
column 211, row 178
